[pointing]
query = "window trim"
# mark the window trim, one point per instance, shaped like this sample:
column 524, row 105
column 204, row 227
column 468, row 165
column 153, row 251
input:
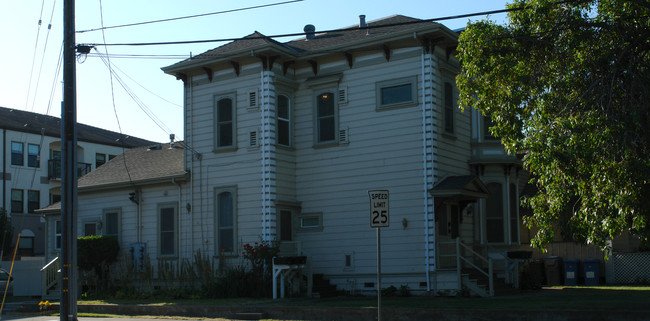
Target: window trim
column 97, row 161
column 161, row 206
column 411, row 80
column 22, row 153
column 289, row 121
column 233, row 191
column 504, row 231
column 233, row 121
column 334, row 141
column 37, row 155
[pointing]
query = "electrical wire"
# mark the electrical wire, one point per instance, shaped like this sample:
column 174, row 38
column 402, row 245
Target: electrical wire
column 47, row 37
column 141, row 86
column 188, row 17
column 31, row 73
column 55, row 81
column 110, row 70
column 350, row 29
column 136, row 99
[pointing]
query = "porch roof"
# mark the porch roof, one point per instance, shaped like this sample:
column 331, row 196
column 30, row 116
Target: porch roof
column 464, row 187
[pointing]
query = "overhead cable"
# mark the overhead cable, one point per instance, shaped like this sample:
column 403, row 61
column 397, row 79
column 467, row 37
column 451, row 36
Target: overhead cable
column 188, row 17
column 184, row 42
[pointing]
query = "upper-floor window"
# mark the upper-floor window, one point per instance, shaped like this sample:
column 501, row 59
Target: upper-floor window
column 395, row 93
column 17, row 154
column 514, row 214
column 17, row 201
column 225, row 220
column 33, row 201
column 326, row 118
column 284, row 121
column 494, row 214
column 33, row 155
column 167, row 230
column 224, row 111
column 449, row 107
column 100, row 159
column 487, row 123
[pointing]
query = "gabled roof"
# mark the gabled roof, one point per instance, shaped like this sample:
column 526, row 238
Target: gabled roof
column 34, row 123
column 376, row 32
column 465, row 187
column 138, row 166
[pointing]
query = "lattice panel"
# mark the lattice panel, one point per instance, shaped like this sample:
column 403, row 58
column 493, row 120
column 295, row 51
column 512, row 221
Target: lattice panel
column 631, row 267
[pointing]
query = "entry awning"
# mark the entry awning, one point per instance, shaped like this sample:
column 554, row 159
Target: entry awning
column 461, row 188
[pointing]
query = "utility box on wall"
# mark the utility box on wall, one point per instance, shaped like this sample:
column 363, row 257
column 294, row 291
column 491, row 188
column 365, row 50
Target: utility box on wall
column 138, row 254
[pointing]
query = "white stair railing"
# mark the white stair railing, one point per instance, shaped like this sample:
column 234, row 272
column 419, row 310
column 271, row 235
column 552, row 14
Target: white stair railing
column 50, row 275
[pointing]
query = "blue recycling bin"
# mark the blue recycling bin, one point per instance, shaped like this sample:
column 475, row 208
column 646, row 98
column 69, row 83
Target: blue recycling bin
column 592, row 271
column 571, row 271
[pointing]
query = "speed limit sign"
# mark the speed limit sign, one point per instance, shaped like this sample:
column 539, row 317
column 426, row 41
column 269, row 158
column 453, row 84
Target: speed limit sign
column 379, row 208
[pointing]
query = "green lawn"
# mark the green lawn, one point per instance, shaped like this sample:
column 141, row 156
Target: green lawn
column 559, row 298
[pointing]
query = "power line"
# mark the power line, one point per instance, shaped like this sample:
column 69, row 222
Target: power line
column 188, row 17
column 31, row 73
column 350, row 29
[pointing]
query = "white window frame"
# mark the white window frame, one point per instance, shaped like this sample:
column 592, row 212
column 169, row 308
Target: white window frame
column 217, row 228
column 310, row 228
column 38, row 154
column 451, row 111
column 334, row 141
column 218, row 123
column 288, row 120
column 380, row 85
column 161, row 206
column 22, row 153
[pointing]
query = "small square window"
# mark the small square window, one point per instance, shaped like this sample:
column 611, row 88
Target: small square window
column 396, row 93
column 311, row 222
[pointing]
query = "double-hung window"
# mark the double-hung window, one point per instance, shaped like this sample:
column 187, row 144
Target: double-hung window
column 226, row 220
column 224, row 123
column 326, row 118
column 494, row 216
column 33, row 155
column 100, row 159
column 167, row 229
column 449, row 107
column 58, row 234
column 33, row 201
column 111, row 226
column 17, row 201
column 283, row 121
column 17, row 154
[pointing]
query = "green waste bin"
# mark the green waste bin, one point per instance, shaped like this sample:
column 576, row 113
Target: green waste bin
column 553, row 270
column 592, row 271
column 571, row 271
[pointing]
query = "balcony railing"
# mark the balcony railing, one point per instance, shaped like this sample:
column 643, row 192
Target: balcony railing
column 54, row 169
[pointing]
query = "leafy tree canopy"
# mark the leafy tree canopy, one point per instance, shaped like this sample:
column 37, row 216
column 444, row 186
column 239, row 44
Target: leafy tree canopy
column 567, row 84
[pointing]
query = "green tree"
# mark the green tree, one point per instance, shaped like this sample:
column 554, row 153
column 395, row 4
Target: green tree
column 567, row 85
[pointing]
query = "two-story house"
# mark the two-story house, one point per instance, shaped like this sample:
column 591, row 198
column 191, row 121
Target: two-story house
column 30, row 167
column 288, row 138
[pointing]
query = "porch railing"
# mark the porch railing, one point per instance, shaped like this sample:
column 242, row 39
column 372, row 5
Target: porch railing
column 490, row 269
column 50, row 275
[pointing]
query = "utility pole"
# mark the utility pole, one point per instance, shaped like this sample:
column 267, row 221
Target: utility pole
column 69, row 167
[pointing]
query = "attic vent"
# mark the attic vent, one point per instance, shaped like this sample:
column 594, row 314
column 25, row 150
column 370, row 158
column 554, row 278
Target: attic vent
column 342, row 95
column 344, row 136
column 253, row 139
column 155, row 147
column 252, row 99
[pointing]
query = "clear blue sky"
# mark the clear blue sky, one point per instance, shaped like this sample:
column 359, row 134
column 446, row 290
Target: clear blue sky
column 161, row 93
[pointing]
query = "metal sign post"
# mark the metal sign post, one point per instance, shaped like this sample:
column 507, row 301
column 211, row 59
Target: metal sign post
column 379, row 217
